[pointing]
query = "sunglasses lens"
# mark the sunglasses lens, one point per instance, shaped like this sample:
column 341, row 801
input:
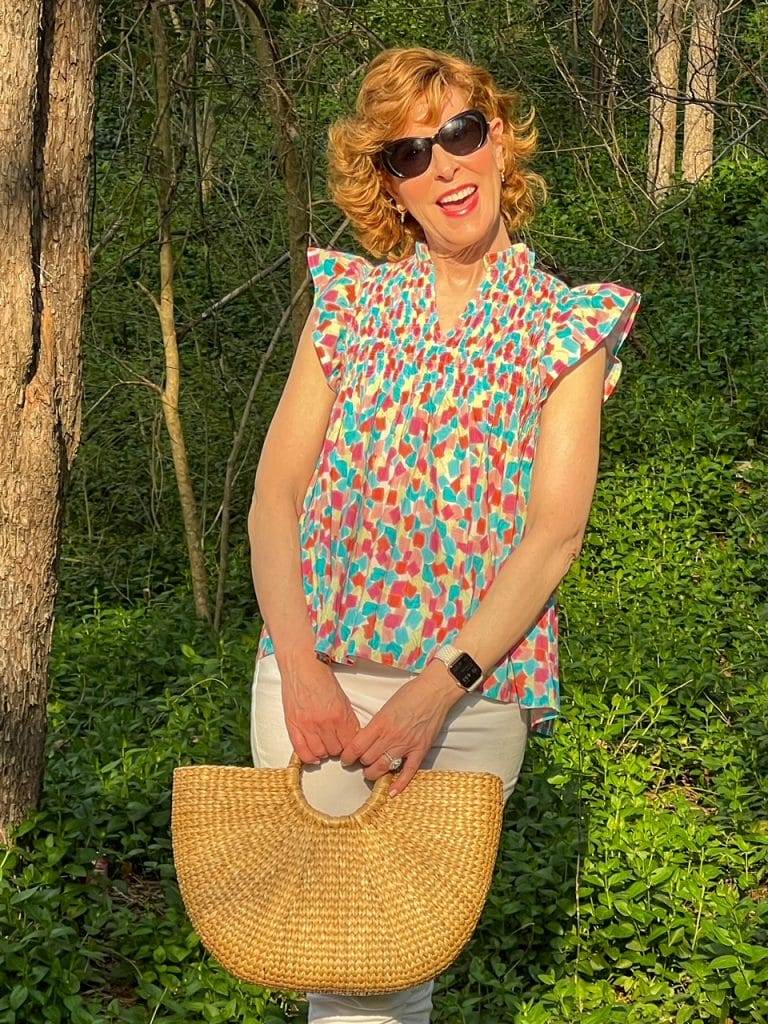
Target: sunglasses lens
column 409, row 158
column 463, row 135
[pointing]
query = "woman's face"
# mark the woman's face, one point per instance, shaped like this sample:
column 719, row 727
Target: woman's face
column 448, row 228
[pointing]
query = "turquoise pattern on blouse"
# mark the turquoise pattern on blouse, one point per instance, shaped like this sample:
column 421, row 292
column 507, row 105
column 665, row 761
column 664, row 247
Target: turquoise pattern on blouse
column 421, row 488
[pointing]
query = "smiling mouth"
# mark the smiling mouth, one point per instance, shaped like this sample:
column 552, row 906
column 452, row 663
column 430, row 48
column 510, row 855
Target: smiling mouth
column 457, row 202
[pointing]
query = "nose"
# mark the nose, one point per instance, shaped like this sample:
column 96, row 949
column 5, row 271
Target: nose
column 442, row 161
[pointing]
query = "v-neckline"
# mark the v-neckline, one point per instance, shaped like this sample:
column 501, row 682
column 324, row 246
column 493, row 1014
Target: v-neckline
column 492, row 263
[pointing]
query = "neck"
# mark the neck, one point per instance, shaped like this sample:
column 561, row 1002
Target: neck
column 455, row 262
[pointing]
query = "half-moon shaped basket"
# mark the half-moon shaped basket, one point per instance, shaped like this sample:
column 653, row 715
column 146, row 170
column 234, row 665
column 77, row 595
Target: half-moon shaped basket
column 289, row 897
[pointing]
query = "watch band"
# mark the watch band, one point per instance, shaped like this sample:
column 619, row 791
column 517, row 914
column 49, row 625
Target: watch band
column 462, row 666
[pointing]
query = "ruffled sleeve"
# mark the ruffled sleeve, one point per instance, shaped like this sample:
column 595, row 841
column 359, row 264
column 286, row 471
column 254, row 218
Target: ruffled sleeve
column 580, row 320
column 337, row 277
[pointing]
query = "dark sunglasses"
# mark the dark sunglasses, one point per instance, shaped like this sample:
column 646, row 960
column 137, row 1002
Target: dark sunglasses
column 408, row 158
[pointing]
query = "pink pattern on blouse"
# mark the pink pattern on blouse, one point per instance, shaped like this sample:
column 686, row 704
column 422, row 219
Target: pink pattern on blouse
column 421, row 487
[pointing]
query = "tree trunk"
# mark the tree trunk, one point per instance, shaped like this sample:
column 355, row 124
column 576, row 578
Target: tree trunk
column 206, row 127
column 166, row 312
column 600, row 14
column 46, row 123
column 701, row 90
column 286, row 131
column 665, row 72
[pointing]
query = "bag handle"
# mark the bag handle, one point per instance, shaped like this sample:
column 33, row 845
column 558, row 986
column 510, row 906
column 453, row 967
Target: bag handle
column 378, row 797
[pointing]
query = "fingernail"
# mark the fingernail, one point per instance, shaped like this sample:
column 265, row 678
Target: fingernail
column 393, row 792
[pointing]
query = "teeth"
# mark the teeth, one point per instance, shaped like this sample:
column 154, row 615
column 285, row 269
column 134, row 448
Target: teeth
column 456, row 197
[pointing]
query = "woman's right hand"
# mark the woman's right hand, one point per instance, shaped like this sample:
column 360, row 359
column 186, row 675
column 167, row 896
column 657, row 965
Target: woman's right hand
column 318, row 715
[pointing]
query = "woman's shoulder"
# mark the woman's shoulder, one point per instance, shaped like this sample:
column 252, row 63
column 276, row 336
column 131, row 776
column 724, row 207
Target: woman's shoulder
column 545, row 280
column 555, row 288
column 329, row 267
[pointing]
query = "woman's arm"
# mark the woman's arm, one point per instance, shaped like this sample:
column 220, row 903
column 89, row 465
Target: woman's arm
column 562, row 489
column 318, row 714
column 288, row 458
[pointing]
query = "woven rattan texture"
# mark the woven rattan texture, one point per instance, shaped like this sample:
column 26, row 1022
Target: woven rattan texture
column 286, row 896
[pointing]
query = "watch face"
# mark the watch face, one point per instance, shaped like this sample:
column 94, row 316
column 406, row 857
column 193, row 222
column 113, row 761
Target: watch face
column 466, row 670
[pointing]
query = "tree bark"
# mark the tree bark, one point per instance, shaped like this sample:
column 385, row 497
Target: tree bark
column 701, row 90
column 46, row 123
column 665, row 52
column 206, row 127
column 171, row 390
column 600, row 15
column 286, row 129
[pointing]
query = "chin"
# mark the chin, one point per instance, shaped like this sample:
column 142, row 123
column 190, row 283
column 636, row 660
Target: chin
column 471, row 234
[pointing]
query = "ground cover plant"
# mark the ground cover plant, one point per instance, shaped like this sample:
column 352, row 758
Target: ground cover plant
column 632, row 878
column 631, row 883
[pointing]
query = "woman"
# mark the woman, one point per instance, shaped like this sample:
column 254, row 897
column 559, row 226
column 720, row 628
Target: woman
column 405, row 551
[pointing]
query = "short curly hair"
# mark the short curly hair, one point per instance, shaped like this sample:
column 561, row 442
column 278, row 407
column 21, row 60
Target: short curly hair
column 395, row 79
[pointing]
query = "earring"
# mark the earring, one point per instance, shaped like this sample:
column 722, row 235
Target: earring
column 393, row 202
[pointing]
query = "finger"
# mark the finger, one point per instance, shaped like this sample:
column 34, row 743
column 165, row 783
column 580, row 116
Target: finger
column 367, row 735
column 348, row 730
column 380, row 767
column 376, row 748
column 323, row 737
column 377, row 760
column 326, row 732
column 409, row 769
column 316, row 740
column 301, row 744
column 375, row 738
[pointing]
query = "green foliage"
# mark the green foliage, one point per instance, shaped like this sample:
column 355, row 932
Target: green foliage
column 92, row 927
column 632, row 879
column 631, row 883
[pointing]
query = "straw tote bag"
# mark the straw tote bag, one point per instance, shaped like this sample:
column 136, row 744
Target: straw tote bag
column 289, row 897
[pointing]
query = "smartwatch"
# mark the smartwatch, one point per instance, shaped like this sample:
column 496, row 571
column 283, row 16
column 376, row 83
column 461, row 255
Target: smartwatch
column 462, row 666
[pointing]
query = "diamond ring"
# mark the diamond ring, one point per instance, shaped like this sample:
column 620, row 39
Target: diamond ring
column 394, row 762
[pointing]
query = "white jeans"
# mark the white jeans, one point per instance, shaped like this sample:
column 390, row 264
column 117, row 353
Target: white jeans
column 478, row 734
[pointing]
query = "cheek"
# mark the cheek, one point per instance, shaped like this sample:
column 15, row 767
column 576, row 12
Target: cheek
column 416, row 190
column 482, row 162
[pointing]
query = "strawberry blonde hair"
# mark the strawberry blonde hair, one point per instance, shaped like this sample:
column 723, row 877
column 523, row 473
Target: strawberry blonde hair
column 394, row 81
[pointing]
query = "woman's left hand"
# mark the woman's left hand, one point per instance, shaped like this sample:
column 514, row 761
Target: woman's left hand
column 405, row 726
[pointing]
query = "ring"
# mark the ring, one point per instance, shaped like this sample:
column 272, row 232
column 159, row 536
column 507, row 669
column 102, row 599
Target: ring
column 394, row 762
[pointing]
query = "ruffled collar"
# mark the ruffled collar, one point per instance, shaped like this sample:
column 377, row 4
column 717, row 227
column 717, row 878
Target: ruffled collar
column 504, row 268
column 516, row 258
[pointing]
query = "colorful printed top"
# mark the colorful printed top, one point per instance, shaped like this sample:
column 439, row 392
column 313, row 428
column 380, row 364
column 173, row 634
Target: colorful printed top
column 421, row 487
